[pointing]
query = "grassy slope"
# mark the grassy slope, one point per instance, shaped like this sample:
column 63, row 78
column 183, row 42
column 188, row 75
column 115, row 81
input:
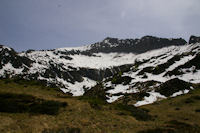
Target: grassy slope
column 79, row 114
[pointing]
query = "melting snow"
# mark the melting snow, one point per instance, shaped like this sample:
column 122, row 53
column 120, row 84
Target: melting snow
column 193, row 77
column 5, row 47
column 113, row 98
column 77, row 88
column 181, row 62
column 8, row 68
column 180, row 93
column 118, row 88
column 154, row 96
column 82, row 48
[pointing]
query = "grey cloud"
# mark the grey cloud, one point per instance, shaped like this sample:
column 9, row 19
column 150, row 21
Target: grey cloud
column 45, row 24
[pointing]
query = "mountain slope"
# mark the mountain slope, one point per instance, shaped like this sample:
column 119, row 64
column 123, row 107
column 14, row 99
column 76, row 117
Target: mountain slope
column 124, row 66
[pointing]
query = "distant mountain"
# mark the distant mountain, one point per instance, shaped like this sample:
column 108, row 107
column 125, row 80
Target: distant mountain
column 124, row 67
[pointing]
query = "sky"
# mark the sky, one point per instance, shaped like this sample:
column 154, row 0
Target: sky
column 49, row 24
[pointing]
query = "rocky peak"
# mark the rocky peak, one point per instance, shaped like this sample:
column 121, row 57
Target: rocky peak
column 110, row 40
column 144, row 44
column 194, row 39
column 9, row 55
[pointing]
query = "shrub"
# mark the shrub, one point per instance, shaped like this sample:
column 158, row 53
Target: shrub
column 146, row 69
column 96, row 92
column 189, row 100
column 197, row 110
column 177, row 108
column 47, row 107
column 21, row 103
column 95, row 103
column 138, row 113
column 192, row 99
column 96, row 96
column 195, row 97
column 118, row 79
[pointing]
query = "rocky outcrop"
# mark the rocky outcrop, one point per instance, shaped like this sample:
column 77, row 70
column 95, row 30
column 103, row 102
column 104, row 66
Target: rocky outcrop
column 134, row 45
column 194, row 39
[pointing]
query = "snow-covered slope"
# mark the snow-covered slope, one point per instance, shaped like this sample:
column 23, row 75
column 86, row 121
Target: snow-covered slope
column 157, row 67
column 123, row 73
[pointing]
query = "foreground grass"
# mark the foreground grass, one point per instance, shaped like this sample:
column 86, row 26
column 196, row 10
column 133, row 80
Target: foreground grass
column 87, row 115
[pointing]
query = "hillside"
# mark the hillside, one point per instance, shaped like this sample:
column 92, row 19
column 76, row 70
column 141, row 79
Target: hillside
column 89, row 114
column 125, row 67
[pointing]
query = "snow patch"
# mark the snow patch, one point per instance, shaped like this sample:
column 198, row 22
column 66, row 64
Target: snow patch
column 192, row 77
column 9, row 69
column 154, row 96
column 5, row 47
column 180, row 93
column 180, row 62
column 119, row 89
column 113, row 98
column 82, row 48
column 77, row 88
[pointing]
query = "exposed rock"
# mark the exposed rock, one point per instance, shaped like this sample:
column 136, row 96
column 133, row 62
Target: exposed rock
column 194, row 39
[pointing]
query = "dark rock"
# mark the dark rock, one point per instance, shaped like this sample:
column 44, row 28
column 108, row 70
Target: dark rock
column 194, row 39
column 134, row 45
column 174, row 85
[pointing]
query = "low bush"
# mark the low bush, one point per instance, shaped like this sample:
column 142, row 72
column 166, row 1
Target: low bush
column 96, row 96
column 195, row 97
column 96, row 92
column 146, row 69
column 189, row 100
column 95, row 103
column 121, row 80
column 138, row 113
column 197, row 110
column 177, row 108
column 192, row 99
column 21, row 103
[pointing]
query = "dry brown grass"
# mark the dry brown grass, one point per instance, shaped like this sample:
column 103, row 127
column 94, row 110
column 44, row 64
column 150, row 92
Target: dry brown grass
column 79, row 114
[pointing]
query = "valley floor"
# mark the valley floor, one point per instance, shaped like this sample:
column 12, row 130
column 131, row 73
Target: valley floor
column 78, row 114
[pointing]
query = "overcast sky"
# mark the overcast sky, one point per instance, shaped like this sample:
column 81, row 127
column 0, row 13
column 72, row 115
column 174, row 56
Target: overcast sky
column 47, row 24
